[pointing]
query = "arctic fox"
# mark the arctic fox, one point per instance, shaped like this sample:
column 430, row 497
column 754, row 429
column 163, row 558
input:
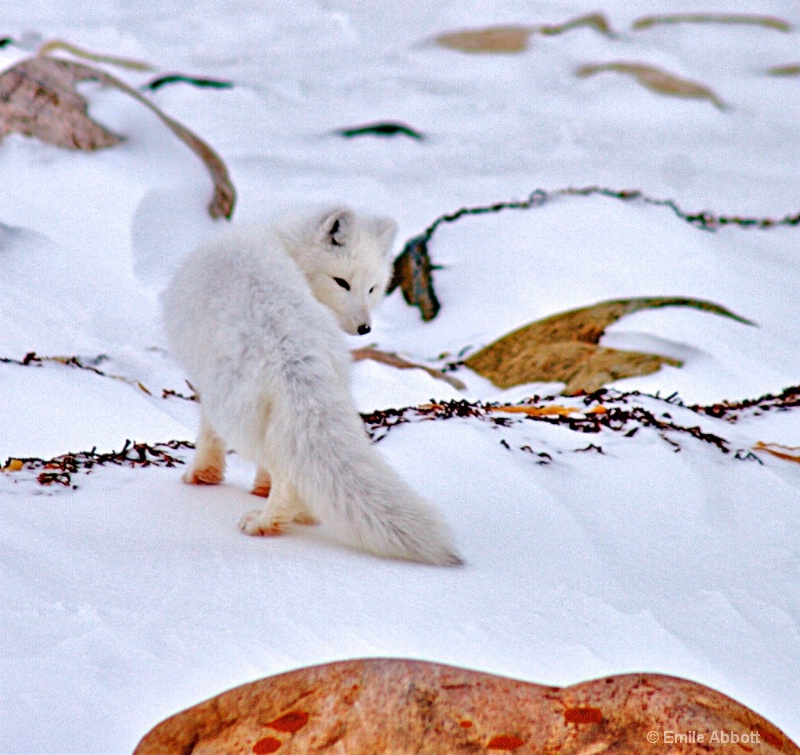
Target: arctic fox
column 255, row 318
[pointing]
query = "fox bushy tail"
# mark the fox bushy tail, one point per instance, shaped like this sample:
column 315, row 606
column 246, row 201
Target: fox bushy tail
column 321, row 445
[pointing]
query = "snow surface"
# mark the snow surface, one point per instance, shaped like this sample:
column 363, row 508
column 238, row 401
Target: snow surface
column 133, row 596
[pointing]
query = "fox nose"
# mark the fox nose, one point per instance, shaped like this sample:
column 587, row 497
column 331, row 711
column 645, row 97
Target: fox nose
column 363, row 329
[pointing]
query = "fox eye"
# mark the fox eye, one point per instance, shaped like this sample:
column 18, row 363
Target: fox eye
column 343, row 283
column 372, row 289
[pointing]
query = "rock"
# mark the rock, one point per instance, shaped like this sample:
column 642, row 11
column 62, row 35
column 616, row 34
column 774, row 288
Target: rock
column 565, row 347
column 386, row 707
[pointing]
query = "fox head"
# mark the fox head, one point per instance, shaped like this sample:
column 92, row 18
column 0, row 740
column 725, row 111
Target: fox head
column 346, row 260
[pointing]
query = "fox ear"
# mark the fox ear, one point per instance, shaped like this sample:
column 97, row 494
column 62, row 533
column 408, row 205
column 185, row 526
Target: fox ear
column 336, row 227
column 385, row 231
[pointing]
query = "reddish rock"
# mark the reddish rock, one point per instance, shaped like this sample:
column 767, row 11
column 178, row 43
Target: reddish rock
column 381, row 707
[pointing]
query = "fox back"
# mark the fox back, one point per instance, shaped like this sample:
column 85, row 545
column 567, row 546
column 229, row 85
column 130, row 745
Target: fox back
column 255, row 317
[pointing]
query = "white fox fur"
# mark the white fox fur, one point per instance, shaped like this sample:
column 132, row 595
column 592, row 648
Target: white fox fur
column 255, row 317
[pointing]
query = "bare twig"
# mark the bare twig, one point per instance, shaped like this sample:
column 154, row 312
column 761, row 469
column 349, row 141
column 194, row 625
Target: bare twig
column 33, row 359
column 393, row 360
column 59, row 470
column 38, row 98
column 605, row 410
column 54, row 45
column 413, row 267
column 769, row 22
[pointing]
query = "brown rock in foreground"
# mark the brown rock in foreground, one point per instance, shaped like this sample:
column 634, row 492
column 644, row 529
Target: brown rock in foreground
column 399, row 706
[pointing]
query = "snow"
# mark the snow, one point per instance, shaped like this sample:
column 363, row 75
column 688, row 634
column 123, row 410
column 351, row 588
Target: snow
column 132, row 596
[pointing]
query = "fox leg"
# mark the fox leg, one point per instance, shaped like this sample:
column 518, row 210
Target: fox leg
column 282, row 506
column 304, row 516
column 262, row 487
column 208, row 464
column 300, row 513
column 262, row 484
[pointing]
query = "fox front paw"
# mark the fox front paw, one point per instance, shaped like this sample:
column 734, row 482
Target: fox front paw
column 262, row 484
column 255, row 523
column 203, row 476
column 262, row 489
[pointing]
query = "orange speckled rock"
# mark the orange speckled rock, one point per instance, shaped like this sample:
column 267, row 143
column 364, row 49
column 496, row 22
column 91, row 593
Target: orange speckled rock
column 386, row 707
